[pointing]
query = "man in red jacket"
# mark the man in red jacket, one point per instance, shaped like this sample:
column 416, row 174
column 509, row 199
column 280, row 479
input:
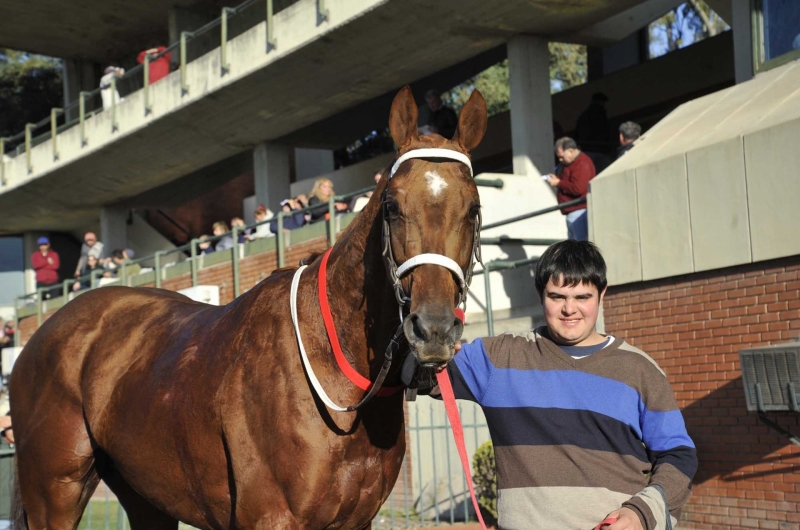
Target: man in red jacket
column 573, row 183
column 45, row 262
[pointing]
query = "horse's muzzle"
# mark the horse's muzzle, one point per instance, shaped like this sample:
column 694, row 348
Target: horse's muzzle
column 432, row 338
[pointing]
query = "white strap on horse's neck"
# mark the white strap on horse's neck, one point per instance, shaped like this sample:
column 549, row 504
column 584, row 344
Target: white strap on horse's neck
column 433, row 259
column 309, row 370
column 432, row 152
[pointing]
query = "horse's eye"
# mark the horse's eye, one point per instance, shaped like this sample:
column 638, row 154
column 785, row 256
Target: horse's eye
column 474, row 211
column 392, row 207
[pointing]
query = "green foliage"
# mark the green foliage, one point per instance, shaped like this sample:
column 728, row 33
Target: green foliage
column 30, row 85
column 568, row 65
column 688, row 23
column 485, row 478
column 568, row 68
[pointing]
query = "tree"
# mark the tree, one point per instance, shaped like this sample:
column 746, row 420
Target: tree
column 30, row 85
column 568, row 68
column 687, row 24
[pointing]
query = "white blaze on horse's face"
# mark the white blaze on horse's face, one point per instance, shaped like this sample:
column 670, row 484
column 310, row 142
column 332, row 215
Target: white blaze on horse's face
column 435, row 182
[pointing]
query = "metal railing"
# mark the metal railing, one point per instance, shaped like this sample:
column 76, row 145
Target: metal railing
column 196, row 258
column 135, row 79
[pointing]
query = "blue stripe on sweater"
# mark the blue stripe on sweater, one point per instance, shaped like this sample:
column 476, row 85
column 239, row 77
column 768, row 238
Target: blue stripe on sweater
column 564, row 389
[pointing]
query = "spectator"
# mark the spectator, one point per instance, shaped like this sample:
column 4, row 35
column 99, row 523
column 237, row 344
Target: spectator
column 46, row 263
column 158, row 67
column 242, row 235
column 7, row 335
column 302, row 199
column 585, row 426
column 5, row 428
column 204, row 244
column 118, row 257
column 357, row 203
column 261, row 214
column 85, row 277
column 91, row 247
column 441, row 119
column 629, row 132
column 290, row 222
column 577, row 170
column 226, row 243
column 320, row 194
column 592, row 131
column 106, row 93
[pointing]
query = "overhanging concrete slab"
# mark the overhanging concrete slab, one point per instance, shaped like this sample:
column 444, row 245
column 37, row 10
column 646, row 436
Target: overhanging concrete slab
column 367, row 48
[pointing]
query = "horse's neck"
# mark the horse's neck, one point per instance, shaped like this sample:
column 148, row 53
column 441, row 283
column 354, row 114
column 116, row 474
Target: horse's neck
column 364, row 309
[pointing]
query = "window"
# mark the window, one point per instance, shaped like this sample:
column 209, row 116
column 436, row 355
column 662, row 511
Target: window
column 779, row 25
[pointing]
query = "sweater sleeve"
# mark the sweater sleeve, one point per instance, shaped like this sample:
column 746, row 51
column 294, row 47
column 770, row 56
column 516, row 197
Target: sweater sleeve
column 56, row 263
column 577, row 176
column 37, row 261
column 471, row 372
column 672, row 453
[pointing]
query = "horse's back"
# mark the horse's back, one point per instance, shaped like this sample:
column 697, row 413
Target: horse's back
column 89, row 343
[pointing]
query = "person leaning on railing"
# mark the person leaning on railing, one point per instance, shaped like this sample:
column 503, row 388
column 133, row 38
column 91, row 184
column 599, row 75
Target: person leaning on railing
column 320, row 195
column 85, row 276
column 261, row 214
column 292, row 220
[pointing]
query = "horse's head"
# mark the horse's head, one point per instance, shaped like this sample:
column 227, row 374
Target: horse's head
column 432, row 207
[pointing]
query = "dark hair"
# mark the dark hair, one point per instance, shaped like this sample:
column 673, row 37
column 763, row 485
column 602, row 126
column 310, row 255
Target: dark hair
column 599, row 96
column 118, row 254
column 566, row 143
column 575, row 262
column 630, row 130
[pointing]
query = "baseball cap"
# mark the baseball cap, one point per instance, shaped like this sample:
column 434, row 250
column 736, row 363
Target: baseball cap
column 43, row 241
column 261, row 208
column 130, row 253
column 284, row 202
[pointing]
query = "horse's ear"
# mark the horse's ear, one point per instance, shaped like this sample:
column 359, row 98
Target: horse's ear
column 472, row 122
column 403, row 118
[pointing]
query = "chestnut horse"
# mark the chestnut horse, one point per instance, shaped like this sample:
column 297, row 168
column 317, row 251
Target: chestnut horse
column 205, row 415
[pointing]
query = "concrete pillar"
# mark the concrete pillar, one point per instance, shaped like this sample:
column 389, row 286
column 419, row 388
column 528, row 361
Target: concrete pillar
column 13, row 264
column 531, row 107
column 271, row 174
column 742, row 41
column 113, row 229
column 311, row 163
column 79, row 75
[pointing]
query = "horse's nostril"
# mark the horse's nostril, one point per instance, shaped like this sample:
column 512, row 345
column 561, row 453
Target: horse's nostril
column 418, row 327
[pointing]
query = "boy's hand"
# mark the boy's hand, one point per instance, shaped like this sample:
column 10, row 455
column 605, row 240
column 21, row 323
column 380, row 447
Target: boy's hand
column 627, row 519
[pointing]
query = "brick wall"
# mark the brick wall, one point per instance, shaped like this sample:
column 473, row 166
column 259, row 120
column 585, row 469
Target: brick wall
column 694, row 327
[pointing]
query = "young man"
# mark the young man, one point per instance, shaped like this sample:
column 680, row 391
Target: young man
column 584, row 425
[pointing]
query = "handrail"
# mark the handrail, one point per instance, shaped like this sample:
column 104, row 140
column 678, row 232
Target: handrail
column 79, row 104
column 534, row 214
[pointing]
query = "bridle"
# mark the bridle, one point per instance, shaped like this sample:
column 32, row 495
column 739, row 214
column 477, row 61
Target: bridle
column 396, row 275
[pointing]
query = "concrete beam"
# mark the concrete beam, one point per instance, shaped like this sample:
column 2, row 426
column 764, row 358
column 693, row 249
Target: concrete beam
column 271, row 174
column 113, row 229
column 622, row 24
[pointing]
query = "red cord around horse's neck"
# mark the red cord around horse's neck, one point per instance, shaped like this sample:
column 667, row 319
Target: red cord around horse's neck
column 356, row 378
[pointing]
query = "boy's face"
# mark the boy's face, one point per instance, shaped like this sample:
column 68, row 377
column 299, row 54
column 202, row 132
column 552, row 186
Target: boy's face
column 571, row 312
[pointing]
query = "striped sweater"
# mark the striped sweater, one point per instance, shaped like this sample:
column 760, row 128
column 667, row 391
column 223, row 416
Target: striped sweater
column 576, row 439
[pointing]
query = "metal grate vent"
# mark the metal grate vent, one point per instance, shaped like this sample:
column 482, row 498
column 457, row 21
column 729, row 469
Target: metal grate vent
column 776, row 369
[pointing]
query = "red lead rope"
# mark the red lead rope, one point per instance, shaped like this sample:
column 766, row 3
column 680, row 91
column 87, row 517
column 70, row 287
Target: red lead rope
column 356, row 378
column 458, row 433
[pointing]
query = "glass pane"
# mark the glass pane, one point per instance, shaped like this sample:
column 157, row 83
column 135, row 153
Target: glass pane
column 781, row 27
